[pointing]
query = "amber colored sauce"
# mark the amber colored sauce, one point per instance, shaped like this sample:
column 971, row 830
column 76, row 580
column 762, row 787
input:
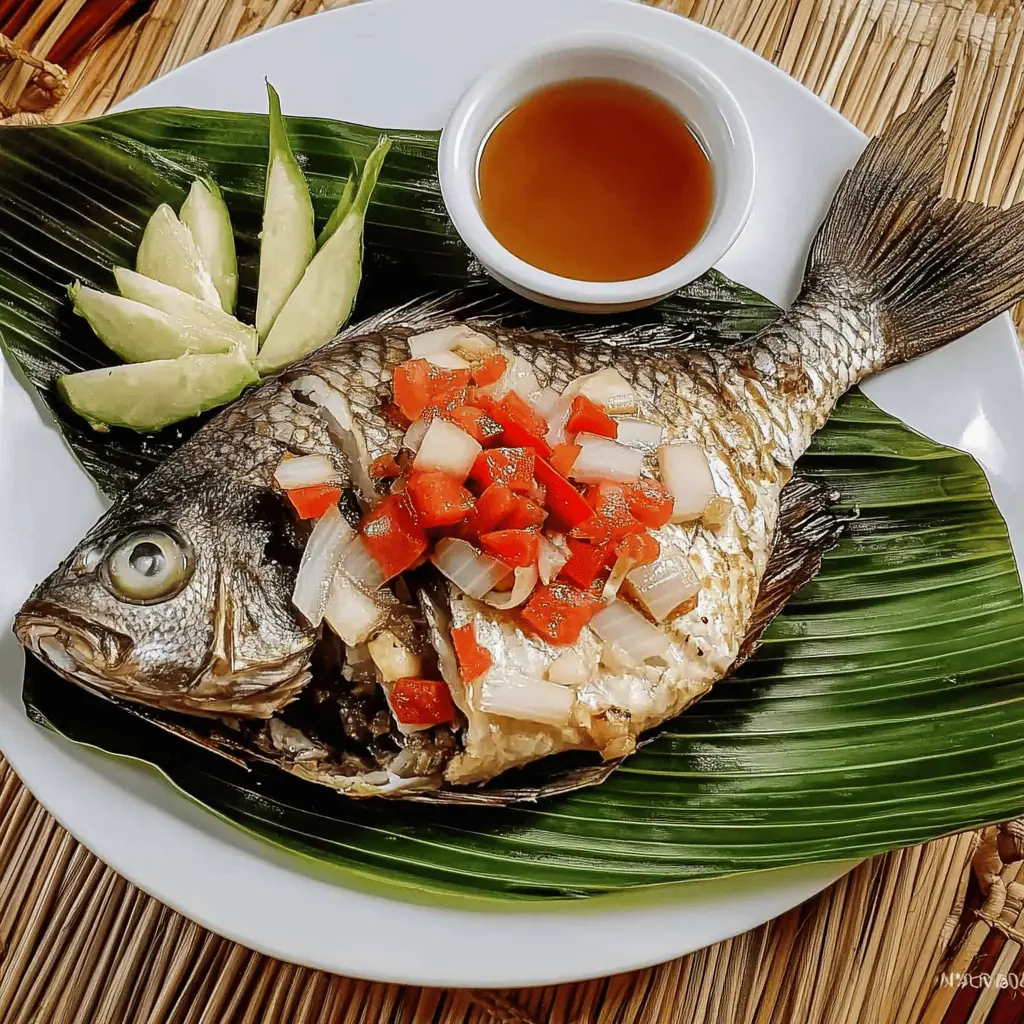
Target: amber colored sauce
column 596, row 180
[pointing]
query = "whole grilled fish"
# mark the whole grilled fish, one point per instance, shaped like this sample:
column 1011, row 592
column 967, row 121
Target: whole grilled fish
column 179, row 598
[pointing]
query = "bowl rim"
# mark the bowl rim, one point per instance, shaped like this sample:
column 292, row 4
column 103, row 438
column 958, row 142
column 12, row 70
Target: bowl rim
column 458, row 156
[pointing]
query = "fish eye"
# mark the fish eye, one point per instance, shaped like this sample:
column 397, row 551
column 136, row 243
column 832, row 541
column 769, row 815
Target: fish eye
column 147, row 566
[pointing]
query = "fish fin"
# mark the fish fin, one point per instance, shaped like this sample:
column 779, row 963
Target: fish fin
column 935, row 268
column 807, row 528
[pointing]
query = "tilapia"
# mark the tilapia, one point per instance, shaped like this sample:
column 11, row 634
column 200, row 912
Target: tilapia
column 178, row 601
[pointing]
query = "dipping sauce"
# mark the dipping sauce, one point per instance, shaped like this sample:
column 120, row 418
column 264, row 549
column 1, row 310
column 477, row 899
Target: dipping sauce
column 596, row 180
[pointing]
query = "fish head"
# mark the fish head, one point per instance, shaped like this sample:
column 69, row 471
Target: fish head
column 179, row 598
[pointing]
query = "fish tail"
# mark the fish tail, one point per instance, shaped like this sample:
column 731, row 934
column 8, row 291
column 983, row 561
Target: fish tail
column 934, row 268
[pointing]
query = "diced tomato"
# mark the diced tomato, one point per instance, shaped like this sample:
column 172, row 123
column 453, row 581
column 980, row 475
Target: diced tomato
column 519, row 411
column 419, row 384
column 512, row 467
column 523, row 514
column 587, row 415
column 517, row 548
column 563, row 456
column 650, row 502
column 443, row 404
column 421, row 702
column 474, row 422
column 392, row 534
column 490, row 370
column 312, row 502
column 474, row 660
column 521, row 426
column 559, row 611
column 483, row 401
column 586, row 562
column 640, row 548
column 611, row 519
column 567, row 506
column 438, row 498
column 385, row 468
column 493, row 505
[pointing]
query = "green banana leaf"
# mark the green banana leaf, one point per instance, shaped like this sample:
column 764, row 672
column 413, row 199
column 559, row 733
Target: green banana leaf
column 75, row 199
column 885, row 707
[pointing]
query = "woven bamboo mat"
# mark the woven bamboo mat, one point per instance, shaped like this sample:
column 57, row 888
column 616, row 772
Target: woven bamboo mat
column 885, row 945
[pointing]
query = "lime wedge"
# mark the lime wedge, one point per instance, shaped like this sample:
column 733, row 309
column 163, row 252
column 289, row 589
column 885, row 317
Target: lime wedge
column 149, row 396
column 287, row 242
column 215, row 330
column 206, row 216
column 323, row 298
column 168, row 253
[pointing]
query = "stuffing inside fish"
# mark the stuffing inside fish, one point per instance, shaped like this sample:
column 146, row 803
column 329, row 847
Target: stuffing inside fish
column 182, row 599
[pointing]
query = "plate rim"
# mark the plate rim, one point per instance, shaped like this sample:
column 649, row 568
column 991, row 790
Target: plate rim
column 29, row 768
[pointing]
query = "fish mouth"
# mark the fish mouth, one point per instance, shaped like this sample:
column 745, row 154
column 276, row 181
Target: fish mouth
column 71, row 644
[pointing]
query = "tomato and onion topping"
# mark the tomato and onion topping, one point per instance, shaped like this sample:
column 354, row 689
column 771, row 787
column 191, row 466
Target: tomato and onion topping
column 313, row 502
column 438, row 499
column 511, row 467
column 517, row 548
column 421, row 702
column 587, row 417
column 541, row 519
column 559, row 611
column 393, row 535
column 473, row 659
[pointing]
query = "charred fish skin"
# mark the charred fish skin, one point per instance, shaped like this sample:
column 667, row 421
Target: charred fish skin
column 893, row 272
column 179, row 596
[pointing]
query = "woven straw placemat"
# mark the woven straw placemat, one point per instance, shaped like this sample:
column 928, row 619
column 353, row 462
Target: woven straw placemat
column 928, row 934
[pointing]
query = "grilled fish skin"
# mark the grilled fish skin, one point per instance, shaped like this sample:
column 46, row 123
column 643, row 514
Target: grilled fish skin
column 893, row 273
column 218, row 634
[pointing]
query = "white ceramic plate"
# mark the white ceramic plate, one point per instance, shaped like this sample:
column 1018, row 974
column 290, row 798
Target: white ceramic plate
column 403, row 63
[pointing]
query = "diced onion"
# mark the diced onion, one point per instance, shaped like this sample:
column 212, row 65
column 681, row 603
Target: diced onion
column 352, row 614
column 550, row 560
column 615, row 659
column 319, row 565
column 663, row 587
column 518, row 377
column 639, row 434
column 448, row 361
column 337, row 413
column 414, row 435
column 621, row 624
column 545, row 401
column 557, row 420
column 431, row 342
column 359, row 565
column 686, row 473
column 476, row 345
column 531, row 700
column 607, row 388
column 447, row 339
column 473, row 573
column 304, row 471
column 602, row 459
column 618, row 574
column 393, row 659
column 447, row 448
column 525, row 581
column 568, row 669
column 357, row 655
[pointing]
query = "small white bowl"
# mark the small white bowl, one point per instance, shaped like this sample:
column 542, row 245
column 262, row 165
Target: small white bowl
column 678, row 78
